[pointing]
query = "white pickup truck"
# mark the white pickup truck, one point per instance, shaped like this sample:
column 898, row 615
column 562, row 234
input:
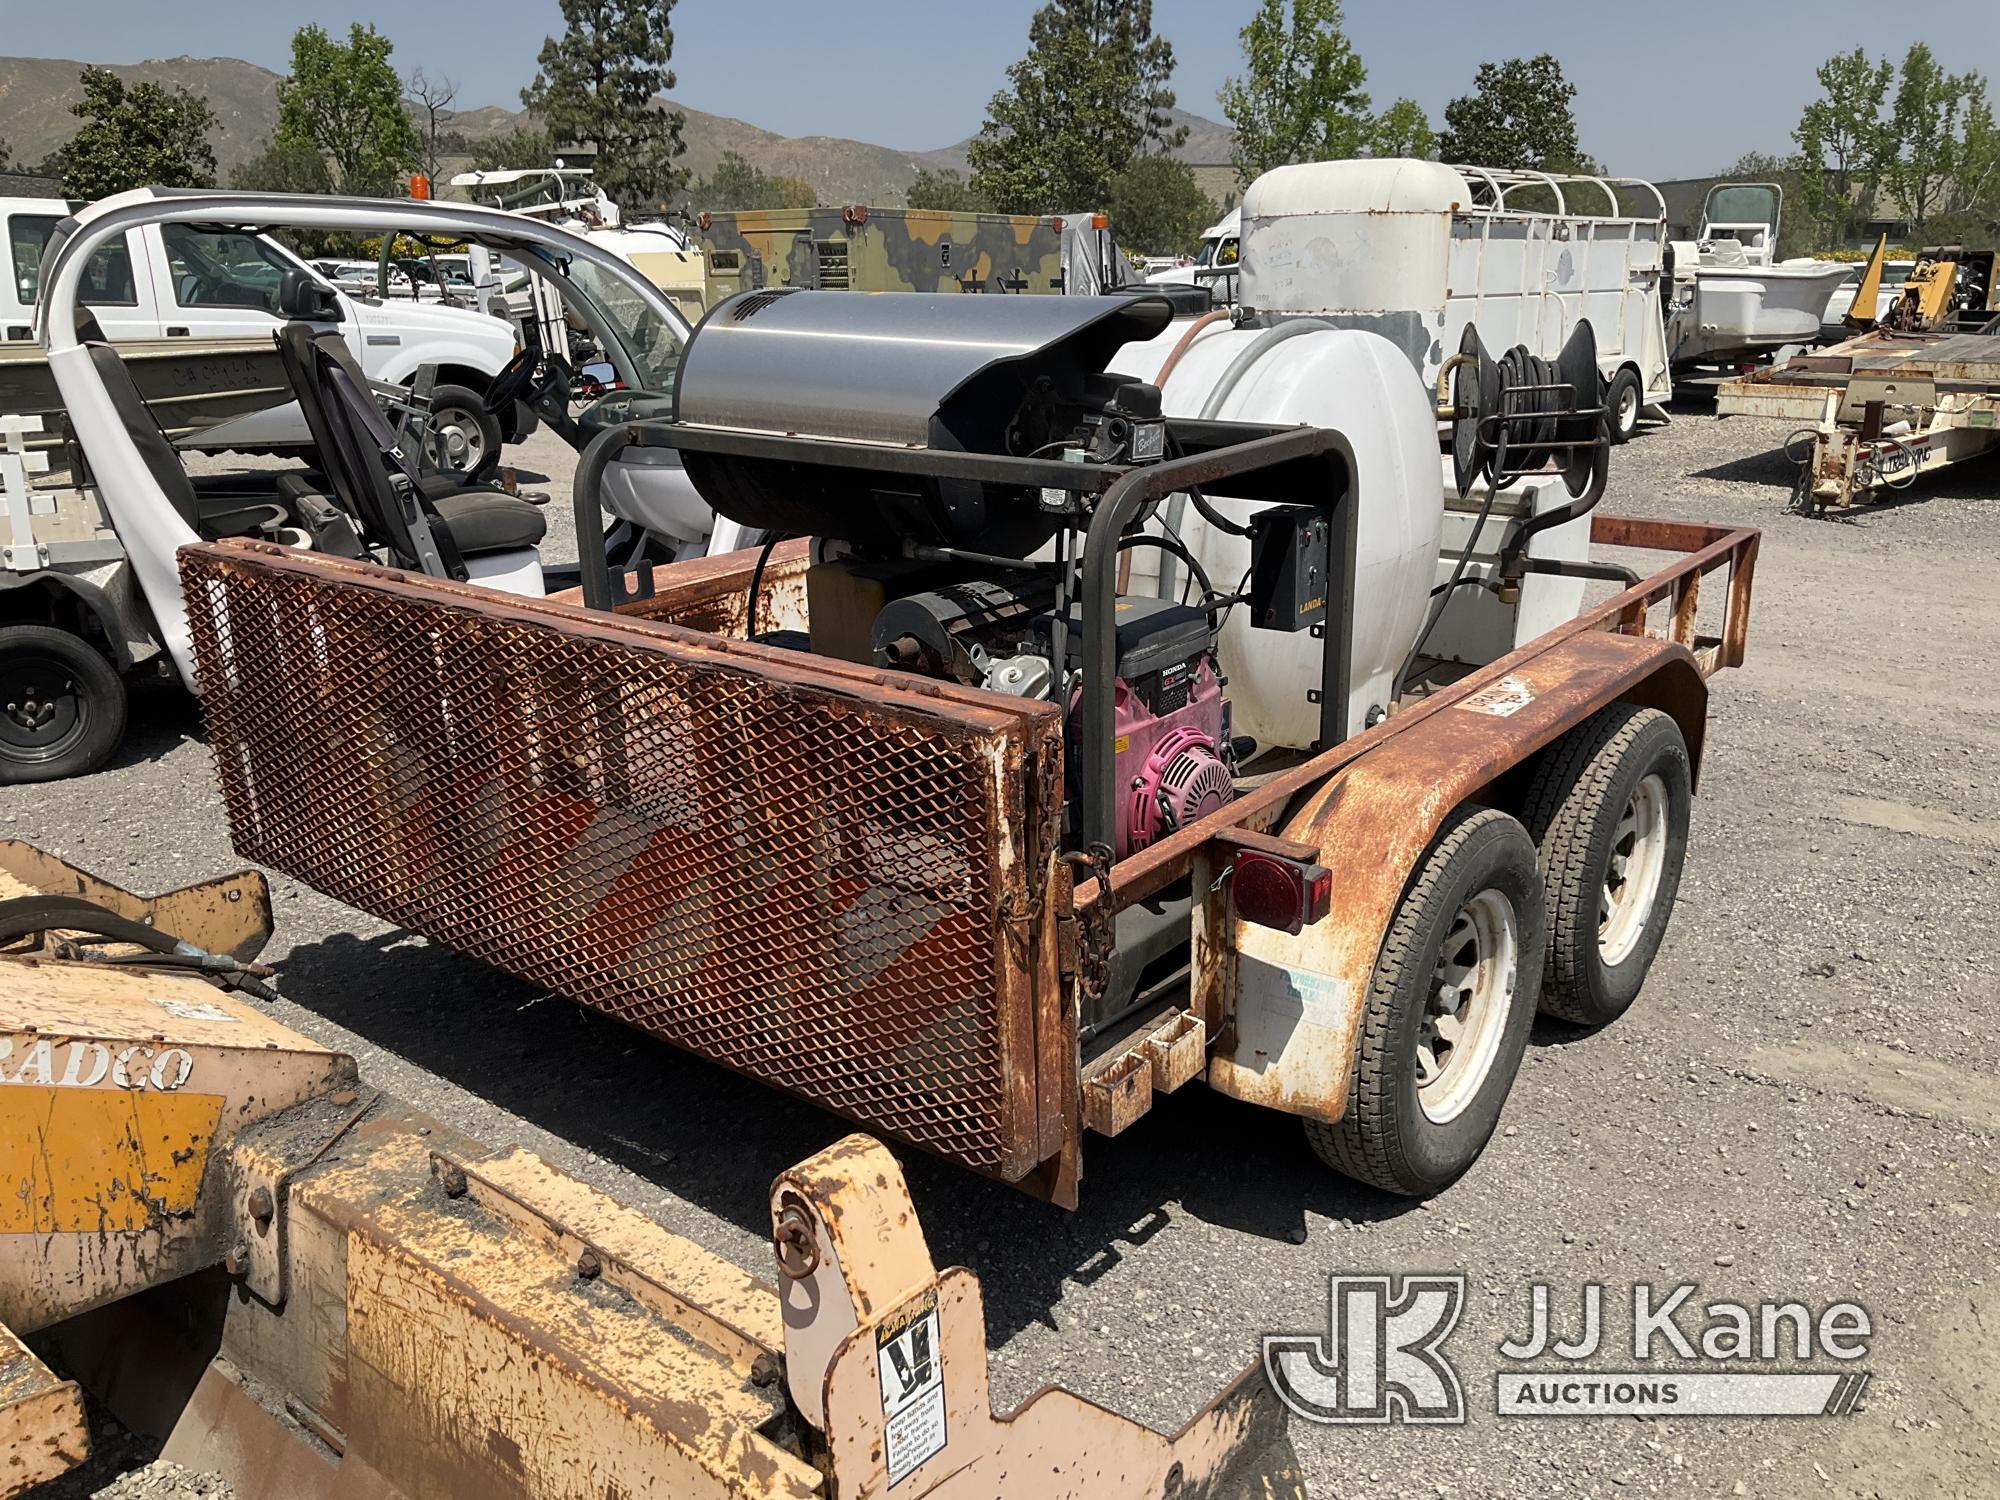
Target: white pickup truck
column 198, row 301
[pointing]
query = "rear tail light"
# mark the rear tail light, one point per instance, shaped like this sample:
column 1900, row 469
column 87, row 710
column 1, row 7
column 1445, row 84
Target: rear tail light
column 1273, row 891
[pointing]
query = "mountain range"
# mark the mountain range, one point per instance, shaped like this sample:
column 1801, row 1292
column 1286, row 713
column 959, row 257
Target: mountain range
column 37, row 92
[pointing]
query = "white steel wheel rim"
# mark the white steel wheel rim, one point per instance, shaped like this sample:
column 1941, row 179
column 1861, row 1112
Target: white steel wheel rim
column 1465, row 1013
column 1632, row 874
column 1627, row 414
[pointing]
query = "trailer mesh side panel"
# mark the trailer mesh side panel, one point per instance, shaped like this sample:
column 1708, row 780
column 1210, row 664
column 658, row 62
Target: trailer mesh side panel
column 801, row 881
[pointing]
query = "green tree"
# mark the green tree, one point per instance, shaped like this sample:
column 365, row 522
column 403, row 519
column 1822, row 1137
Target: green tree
column 346, row 102
column 1924, row 126
column 526, row 145
column 1301, row 95
column 596, row 87
column 1517, row 115
column 1403, row 129
column 736, row 184
column 1973, row 214
column 143, row 136
column 1092, row 93
column 284, row 167
column 1843, row 144
column 947, row 190
column 1157, row 208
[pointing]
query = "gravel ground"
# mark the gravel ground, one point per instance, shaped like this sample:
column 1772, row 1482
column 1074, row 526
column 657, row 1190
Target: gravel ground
column 1801, row 1105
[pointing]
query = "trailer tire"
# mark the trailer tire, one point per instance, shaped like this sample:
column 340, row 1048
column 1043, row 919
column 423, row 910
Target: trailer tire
column 75, row 716
column 1614, row 791
column 1623, row 401
column 1477, row 890
column 463, row 437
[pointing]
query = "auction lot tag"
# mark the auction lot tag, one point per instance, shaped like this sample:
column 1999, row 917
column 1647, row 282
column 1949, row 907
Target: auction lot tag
column 1502, row 700
column 912, row 1370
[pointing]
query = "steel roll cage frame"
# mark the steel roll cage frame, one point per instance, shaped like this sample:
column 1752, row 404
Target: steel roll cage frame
column 1282, row 463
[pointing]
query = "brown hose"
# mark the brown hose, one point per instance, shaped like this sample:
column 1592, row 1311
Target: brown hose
column 1186, row 341
column 1180, row 348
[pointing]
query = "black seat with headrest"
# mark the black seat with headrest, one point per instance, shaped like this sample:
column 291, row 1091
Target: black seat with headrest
column 234, row 515
column 365, row 462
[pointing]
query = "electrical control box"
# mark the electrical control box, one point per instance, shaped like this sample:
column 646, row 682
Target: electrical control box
column 1288, row 567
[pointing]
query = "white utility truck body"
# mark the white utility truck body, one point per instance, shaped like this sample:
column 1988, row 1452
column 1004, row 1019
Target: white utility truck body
column 1416, row 250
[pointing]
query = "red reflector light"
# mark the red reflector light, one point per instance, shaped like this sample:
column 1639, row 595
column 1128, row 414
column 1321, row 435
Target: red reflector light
column 1272, row 891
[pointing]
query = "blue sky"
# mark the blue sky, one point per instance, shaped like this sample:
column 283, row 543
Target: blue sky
column 1664, row 89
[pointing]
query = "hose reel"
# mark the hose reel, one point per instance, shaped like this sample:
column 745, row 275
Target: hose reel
column 1517, row 415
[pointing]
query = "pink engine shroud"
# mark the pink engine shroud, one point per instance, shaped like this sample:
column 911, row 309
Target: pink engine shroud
column 1171, row 758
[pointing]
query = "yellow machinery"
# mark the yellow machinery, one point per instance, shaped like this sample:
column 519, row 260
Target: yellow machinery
column 1950, row 289
column 309, row 1287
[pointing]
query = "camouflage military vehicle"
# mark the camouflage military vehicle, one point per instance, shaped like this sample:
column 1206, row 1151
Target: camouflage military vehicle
column 881, row 250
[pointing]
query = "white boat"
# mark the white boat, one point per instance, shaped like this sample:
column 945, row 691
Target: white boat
column 1734, row 301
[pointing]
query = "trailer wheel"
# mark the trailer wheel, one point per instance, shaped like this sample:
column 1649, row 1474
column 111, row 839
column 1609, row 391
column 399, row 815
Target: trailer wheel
column 1449, row 1009
column 1608, row 807
column 463, row 436
column 1623, row 401
column 62, row 705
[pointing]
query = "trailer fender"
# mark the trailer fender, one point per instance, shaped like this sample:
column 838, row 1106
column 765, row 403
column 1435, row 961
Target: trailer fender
column 82, row 596
column 1296, row 1001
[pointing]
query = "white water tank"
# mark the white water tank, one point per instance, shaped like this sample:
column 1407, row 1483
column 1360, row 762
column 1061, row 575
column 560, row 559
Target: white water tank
column 1350, row 236
column 1361, row 385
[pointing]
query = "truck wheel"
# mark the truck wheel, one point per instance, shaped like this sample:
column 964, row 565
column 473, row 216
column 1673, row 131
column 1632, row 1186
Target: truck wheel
column 1608, row 806
column 1623, row 400
column 463, row 438
column 62, row 705
column 1449, row 1009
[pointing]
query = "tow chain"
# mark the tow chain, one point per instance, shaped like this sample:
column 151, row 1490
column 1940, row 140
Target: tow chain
column 1096, row 936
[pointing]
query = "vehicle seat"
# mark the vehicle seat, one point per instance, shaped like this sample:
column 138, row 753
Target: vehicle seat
column 479, row 520
column 362, row 459
column 210, row 516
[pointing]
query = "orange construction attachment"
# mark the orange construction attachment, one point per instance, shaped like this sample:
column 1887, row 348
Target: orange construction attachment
column 308, row 1287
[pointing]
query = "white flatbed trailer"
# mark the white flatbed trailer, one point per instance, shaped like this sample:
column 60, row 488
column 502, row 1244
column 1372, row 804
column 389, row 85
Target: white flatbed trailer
column 1882, row 409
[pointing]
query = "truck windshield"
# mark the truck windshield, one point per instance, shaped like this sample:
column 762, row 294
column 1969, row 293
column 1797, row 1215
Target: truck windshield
column 653, row 340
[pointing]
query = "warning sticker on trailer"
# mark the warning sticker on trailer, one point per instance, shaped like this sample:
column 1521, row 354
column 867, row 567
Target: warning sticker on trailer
column 912, row 1367
column 1503, row 700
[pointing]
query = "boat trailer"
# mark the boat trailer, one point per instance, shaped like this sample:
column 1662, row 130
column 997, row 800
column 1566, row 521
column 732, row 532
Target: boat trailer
column 310, row 1287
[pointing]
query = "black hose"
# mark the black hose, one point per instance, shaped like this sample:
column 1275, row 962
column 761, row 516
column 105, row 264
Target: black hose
column 1443, row 594
column 23, row 915
column 1215, row 517
column 757, row 585
column 1209, row 597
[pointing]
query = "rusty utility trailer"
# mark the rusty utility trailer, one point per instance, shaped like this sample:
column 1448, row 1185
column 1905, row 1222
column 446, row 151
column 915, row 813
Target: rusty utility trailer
column 851, row 883
column 1879, row 410
column 307, row 1286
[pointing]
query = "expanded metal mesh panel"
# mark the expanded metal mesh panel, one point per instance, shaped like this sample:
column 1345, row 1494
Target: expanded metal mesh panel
column 795, row 878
